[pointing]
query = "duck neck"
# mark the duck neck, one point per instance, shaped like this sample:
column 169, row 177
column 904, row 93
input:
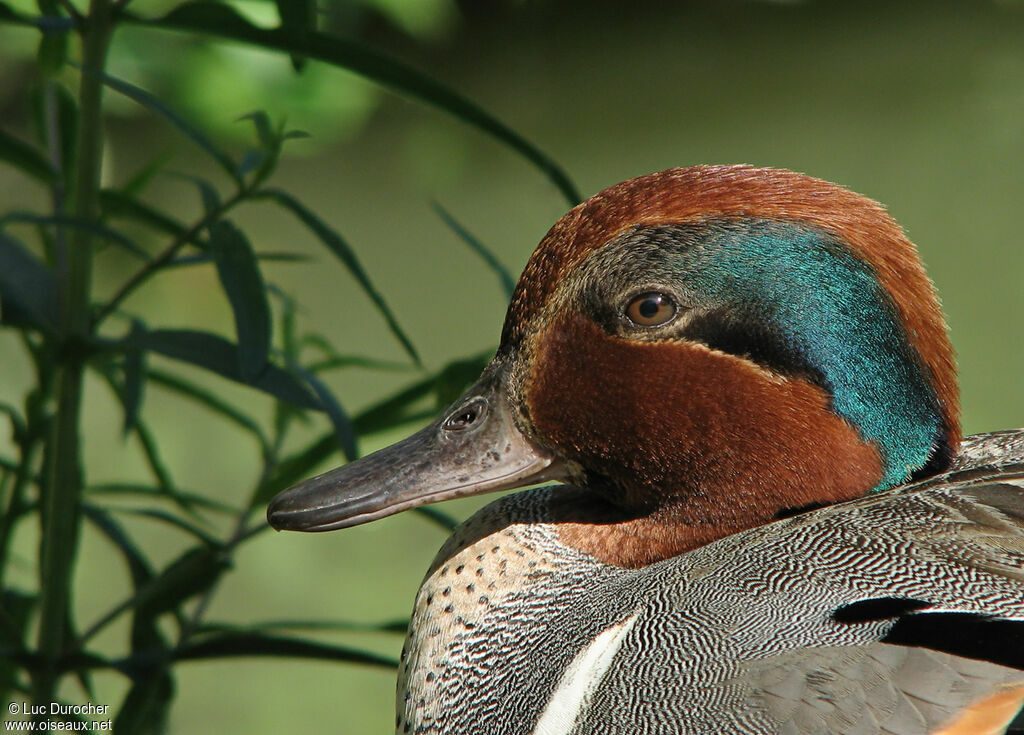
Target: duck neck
column 704, row 444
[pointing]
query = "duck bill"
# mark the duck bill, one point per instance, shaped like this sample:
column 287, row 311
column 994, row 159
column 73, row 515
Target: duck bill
column 475, row 448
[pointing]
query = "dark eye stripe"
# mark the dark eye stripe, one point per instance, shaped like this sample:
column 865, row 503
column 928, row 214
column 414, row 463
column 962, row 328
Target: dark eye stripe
column 753, row 340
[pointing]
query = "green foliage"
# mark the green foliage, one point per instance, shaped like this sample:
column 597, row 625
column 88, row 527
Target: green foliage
column 46, row 297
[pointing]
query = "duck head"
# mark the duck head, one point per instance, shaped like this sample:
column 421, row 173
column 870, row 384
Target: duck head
column 700, row 351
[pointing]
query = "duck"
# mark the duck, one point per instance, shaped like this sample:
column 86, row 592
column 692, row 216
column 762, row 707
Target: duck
column 757, row 512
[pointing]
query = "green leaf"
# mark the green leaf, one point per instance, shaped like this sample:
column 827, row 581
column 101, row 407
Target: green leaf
column 208, row 195
column 342, row 424
column 52, row 53
column 458, row 375
column 25, row 158
column 391, row 626
column 145, row 708
column 55, row 110
column 15, row 610
column 7, row 15
column 251, row 160
column 150, row 448
column 116, row 204
column 103, row 231
column 191, row 574
column 139, row 567
column 152, row 103
column 355, row 361
column 152, row 491
column 28, row 289
column 333, row 360
column 134, row 381
column 299, row 16
column 185, row 261
column 508, row 284
column 141, row 179
column 289, row 342
column 161, row 474
column 222, row 21
column 220, row 356
column 145, row 634
column 438, row 517
column 211, row 401
column 172, row 520
column 347, row 256
column 265, row 134
column 261, row 644
column 47, row 24
column 243, row 283
column 397, row 409
column 19, row 429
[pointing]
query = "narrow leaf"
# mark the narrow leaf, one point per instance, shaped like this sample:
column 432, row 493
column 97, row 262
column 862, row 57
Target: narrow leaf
column 208, row 195
column 139, row 567
column 342, row 424
column 397, row 410
column 347, row 256
column 15, row 610
column 333, row 360
column 153, row 103
column 145, row 708
column 172, row 520
column 189, row 575
column 349, row 361
column 251, row 160
column 204, row 258
column 218, row 355
column 28, row 289
column 117, row 204
column 456, row 376
column 508, row 284
column 262, row 644
column 211, row 401
column 52, row 53
column 243, row 283
column 100, row 230
column 222, row 21
column 150, row 448
column 19, row 429
column 264, row 130
column 25, row 158
column 138, row 181
column 151, row 491
column 438, row 517
column 299, row 16
column 55, row 120
column 391, row 626
column 134, row 381
column 147, row 701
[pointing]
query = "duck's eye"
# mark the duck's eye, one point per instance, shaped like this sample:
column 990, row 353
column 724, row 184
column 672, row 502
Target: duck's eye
column 651, row 310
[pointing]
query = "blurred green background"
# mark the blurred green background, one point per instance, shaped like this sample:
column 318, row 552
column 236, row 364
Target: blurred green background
column 919, row 105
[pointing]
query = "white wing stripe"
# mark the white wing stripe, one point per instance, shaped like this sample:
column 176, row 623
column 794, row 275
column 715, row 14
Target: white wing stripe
column 581, row 678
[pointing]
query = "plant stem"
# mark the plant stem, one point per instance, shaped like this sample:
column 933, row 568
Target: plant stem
column 60, row 506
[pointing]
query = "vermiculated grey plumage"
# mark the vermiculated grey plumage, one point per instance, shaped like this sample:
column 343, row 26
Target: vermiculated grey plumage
column 739, row 636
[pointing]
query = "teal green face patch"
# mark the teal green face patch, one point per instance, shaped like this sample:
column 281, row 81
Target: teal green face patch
column 793, row 298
